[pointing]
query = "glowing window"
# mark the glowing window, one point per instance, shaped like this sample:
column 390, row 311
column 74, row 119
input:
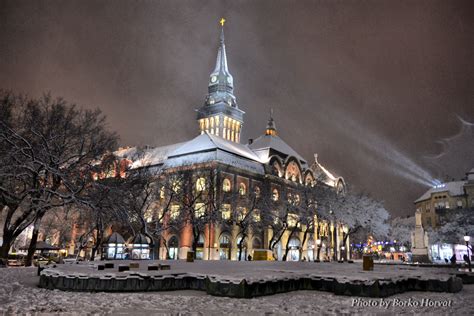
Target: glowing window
column 275, row 195
column 256, row 216
column 200, row 184
column 174, row 211
column 257, row 191
column 242, row 188
column 176, row 187
column 199, row 210
column 292, row 220
column 149, row 215
column 162, row 193
column 241, row 212
column 226, row 187
column 225, row 211
column 297, row 199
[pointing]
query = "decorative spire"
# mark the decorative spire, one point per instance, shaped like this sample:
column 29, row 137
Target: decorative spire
column 221, row 83
column 271, row 126
column 220, row 115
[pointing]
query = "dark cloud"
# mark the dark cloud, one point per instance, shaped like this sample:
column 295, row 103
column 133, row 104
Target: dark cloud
column 369, row 85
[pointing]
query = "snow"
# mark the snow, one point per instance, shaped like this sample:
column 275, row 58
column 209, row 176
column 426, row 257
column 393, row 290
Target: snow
column 19, row 294
column 155, row 156
column 206, row 142
column 455, row 188
column 264, row 270
column 276, row 143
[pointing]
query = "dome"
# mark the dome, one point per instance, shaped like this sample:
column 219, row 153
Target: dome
column 140, row 239
column 115, row 238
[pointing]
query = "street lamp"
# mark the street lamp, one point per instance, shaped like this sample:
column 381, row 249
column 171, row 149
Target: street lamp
column 467, row 238
column 318, row 243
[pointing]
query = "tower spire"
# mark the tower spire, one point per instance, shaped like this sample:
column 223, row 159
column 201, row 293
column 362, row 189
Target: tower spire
column 271, row 126
column 220, row 114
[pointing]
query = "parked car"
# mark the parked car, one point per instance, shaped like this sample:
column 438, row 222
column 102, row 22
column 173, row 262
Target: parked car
column 16, row 260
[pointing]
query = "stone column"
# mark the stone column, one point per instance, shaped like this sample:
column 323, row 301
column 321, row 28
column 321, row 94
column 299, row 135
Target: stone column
column 185, row 241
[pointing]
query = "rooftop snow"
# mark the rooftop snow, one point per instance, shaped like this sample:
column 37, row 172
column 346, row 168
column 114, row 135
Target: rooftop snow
column 454, row 188
column 155, row 156
column 275, row 143
column 214, row 155
column 207, row 142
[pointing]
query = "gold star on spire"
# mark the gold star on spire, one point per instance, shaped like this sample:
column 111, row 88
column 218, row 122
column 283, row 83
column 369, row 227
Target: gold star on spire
column 222, row 21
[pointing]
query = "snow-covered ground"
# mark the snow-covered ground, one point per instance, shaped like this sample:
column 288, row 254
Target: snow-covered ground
column 19, row 295
column 264, row 270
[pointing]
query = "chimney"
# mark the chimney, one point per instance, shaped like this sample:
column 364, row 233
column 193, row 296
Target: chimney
column 250, row 141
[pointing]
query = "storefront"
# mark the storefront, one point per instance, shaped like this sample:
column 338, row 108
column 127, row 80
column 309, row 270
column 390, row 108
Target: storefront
column 114, row 248
column 139, row 247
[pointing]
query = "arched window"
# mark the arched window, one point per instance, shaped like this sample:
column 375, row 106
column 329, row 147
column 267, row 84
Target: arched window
column 257, row 191
column 297, row 199
column 275, row 195
column 293, row 171
column 200, row 184
column 294, row 253
column 226, row 186
column 224, row 247
column 242, row 188
column 173, row 247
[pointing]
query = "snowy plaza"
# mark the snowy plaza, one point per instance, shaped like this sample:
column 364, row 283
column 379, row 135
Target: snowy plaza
column 19, row 293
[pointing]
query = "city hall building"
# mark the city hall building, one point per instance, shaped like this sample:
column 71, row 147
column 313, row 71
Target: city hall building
column 266, row 162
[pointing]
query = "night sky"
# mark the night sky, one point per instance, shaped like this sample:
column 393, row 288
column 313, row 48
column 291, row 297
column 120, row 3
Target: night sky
column 372, row 86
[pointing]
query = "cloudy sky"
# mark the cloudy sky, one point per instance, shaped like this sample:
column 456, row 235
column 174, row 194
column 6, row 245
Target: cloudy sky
column 383, row 91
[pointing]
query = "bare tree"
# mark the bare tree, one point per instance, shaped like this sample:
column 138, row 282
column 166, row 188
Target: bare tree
column 48, row 149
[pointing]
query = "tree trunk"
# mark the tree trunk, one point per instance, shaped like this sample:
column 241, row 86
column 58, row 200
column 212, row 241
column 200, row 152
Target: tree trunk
column 305, row 235
column 241, row 246
column 8, row 240
column 34, row 239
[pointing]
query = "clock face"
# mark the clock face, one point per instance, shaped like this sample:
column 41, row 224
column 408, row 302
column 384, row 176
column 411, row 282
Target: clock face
column 213, row 79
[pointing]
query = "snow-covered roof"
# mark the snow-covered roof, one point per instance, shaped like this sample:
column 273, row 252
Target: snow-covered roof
column 155, row 156
column 323, row 174
column 264, row 143
column 126, row 152
column 207, row 142
column 454, row 188
column 214, row 155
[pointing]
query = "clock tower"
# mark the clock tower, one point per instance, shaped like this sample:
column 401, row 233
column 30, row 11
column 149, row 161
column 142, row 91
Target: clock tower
column 220, row 114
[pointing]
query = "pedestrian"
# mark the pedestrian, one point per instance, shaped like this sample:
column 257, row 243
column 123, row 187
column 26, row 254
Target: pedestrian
column 453, row 259
column 249, row 258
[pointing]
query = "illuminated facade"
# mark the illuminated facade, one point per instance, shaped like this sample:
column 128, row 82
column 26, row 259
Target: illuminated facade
column 444, row 197
column 265, row 165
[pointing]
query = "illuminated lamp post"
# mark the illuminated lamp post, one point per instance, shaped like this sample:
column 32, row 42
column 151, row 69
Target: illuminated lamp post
column 318, row 243
column 342, row 253
column 467, row 238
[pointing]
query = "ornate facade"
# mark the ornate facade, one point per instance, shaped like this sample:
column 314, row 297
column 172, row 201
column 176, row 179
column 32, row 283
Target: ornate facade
column 266, row 165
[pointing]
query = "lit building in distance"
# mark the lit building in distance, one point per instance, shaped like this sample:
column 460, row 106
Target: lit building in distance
column 448, row 196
